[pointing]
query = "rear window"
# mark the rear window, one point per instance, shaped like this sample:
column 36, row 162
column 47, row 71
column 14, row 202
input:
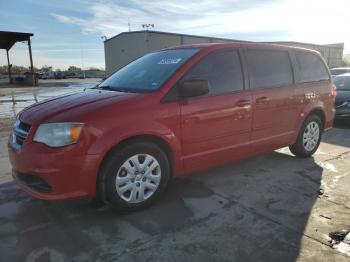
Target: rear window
column 311, row 67
column 342, row 82
column 336, row 72
column 269, row 68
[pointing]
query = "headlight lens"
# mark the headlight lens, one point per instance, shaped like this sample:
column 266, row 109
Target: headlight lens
column 16, row 123
column 58, row 134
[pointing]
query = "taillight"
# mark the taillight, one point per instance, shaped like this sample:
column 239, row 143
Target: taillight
column 334, row 92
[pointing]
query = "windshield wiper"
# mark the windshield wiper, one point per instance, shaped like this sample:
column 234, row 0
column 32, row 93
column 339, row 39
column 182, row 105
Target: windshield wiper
column 114, row 88
column 123, row 89
column 105, row 88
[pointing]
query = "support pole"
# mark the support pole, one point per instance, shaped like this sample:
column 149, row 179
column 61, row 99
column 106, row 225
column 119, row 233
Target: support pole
column 9, row 66
column 31, row 62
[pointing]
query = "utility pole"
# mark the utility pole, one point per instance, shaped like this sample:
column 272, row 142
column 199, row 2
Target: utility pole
column 9, row 66
column 82, row 57
column 31, row 63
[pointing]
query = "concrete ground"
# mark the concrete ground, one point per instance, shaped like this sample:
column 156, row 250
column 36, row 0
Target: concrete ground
column 273, row 207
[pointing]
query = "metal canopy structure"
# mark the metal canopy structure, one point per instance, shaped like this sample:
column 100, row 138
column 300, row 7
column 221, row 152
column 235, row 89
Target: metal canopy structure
column 8, row 39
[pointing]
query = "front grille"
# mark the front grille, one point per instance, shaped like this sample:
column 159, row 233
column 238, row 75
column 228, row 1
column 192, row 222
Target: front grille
column 20, row 132
column 34, row 182
column 19, row 140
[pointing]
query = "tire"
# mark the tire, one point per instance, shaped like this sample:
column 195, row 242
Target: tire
column 307, row 143
column 126, row 170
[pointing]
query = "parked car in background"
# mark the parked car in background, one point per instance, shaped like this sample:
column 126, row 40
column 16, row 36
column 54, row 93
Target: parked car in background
column 339, row 70
column 73, row 74
column 46, row 74
column 59, row 75
column 342, row 101
column 29, row 74
column 172, row 113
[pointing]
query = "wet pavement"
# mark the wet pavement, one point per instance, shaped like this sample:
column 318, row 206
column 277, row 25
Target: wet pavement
column 274, row 207
column 13, row 102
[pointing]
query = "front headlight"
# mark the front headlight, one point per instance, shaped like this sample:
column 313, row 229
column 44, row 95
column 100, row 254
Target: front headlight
column 16, row 123
column 58, row 134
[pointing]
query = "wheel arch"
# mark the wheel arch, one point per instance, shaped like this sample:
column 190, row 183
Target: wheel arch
column 160, row 142
column 320, row 113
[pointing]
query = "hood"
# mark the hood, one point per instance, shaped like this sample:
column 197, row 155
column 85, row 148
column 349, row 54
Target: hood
column 342, row 96
column 40, row 112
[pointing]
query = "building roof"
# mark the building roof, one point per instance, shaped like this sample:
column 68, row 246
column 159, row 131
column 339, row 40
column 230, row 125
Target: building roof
column 337, row 45
column 176, row 34
column 8, row 39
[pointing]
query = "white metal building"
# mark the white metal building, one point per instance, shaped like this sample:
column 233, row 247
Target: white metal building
column 127, row 46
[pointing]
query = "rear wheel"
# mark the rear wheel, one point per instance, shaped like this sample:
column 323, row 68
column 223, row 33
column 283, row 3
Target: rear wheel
column 309, row 137
column 135, row 175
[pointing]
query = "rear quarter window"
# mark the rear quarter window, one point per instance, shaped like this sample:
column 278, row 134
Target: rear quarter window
column 269, row 68
column 310, row 67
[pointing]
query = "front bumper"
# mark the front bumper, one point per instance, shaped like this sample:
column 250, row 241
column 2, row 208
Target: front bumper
column 54, row 173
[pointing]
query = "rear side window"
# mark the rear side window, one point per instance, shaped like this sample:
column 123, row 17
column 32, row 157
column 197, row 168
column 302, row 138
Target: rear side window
column 311, row 67
column 222, row 70
column 269, row 68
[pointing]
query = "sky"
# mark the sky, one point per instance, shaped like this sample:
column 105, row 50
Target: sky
column 70, row 32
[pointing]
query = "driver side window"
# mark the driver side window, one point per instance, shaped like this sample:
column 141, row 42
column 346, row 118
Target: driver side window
column 221, row 69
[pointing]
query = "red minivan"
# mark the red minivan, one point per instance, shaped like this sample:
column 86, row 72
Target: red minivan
column 171, row 113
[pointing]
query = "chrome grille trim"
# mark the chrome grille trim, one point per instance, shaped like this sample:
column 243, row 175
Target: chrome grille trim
column 20, row 131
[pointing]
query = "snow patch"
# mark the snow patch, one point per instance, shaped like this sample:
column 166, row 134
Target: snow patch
column 344, row 246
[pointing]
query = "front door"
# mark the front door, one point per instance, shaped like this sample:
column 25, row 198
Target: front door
column 216, row 127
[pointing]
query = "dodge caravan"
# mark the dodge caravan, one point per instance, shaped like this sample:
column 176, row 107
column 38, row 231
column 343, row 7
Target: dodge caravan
column 171, row 113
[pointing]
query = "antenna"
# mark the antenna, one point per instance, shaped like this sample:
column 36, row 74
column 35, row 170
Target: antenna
column 147, row 26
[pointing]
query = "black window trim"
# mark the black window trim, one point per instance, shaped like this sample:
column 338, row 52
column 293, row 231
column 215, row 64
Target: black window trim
column 245, row 86
column 274, row 86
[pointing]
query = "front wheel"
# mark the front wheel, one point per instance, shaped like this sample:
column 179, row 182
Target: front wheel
column 309, row 137
column 135, row 175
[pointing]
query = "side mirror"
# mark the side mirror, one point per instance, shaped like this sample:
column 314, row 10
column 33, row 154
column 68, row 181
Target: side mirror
column 192, row 88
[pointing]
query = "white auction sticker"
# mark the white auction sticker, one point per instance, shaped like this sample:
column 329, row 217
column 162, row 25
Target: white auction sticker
column 169, row 61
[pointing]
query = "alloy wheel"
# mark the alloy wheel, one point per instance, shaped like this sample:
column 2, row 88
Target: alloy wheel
column 138, row 178
column 311, row 136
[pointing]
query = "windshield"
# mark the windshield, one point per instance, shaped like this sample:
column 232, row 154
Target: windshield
column 149, row 72
column 342, row 82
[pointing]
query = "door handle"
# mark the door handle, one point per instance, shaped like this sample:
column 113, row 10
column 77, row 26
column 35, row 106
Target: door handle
column 262, row 100
column 243, row 103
